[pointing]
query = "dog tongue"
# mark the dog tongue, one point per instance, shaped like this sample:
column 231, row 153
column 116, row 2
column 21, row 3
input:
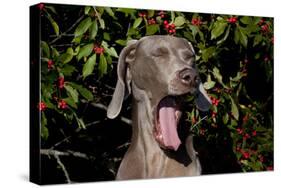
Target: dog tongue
column 168, row 123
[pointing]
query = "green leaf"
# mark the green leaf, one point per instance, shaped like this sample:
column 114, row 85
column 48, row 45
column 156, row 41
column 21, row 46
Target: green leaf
column 208, row 53
column 112, row 52
column 218, row 29
column 150, row 13
column 67, row 56
column 179, row 21
column 217, row 75
column 93, row 30
column 101, row 21
column 83, row 26
column 83, row 91
column 67, row 70
column 257, row 40
column 240, row 36
column 137, row 22
column 225, row 36
column 225, row 118
column 85, row 51
column 51, row 8
column 209, row 84
column 80, row 122
column 70, row 102
column 109, row 11
column 45, row 49
column 102, row 66
column 152, row 29
column 234, row 109
column 55, row 53
column 87, row 9
column 53, row 23
column 106, row 36
column 127, row 11
column 89, row 66
column 121, row 42
column 72, row 93
column 44, row 130
column 246, row 20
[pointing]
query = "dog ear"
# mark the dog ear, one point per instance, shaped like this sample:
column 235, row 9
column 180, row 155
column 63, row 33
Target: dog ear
column 202, row 100
column 126, row 56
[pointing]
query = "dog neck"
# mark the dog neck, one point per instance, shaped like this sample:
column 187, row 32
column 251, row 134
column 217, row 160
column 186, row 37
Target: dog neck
column 143, row 121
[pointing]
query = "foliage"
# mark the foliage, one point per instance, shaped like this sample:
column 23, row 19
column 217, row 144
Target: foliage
column 234, row 56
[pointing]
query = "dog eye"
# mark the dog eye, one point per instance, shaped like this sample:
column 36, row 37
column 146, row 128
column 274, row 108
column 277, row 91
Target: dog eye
column 160, row 52
column 187, row 56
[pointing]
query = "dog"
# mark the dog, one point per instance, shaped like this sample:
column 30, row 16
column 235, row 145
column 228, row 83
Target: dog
column 158, row 71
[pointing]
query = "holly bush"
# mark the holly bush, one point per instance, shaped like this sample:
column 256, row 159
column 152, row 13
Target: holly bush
column 234, row 54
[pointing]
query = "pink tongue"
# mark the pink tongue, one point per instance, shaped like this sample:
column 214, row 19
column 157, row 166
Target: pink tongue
column 168, row 123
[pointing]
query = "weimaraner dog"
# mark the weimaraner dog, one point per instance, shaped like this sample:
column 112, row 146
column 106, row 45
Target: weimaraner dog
column 158, row 71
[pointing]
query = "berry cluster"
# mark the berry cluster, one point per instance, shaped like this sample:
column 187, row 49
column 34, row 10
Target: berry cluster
column 196, row 21
column 98, row 50
column 142, row 14
column 42, row 106
column 50, row 64
column 169, row 27
column 161, row 14
column 232, row 20
column 62, row 104
column 214, row 101
column 151, row 21
column 61, row 82
column 264, row 26
column 214, row 114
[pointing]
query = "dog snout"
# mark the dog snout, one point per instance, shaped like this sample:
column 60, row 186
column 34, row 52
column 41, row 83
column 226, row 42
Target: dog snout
column 188, row 76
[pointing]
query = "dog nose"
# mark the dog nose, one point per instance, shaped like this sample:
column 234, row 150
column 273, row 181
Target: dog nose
column 188, row 76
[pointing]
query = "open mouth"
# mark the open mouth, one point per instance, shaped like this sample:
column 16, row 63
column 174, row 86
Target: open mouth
column 167, row 121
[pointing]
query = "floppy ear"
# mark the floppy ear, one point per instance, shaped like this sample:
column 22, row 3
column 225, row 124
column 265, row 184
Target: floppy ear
column 202, row 100
column 124, row 79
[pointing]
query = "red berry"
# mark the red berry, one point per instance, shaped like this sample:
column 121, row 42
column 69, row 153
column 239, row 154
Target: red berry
column 41, row 6
column 240, row 131
column 166, row 22
column 174, row 31
column 61, row 82
column 162, row 16
column 170, row 31
column 172, row 26
column 62, row 104
column 196, row 21
column 264, row 28
column 246, row 155
column 254, row 133
column 50, row 64
column 42, row 106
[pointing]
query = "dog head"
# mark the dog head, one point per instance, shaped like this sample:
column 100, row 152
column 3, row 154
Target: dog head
column 164, row 67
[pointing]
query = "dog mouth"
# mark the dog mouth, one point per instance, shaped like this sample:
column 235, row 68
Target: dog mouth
column 166, row 122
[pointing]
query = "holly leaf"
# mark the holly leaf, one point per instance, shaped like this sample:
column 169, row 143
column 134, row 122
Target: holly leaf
column 72, row 93
column 234, row 109
column 102, row 66
column 93, row 30
column 179, row 21
column 218, row 29
column 85, row 51
column 152, row 29
column 89, row 66
column 137, row 22
column 83, row 26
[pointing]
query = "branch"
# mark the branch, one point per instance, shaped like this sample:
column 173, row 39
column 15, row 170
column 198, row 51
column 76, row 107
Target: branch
column 64, row 153
column 63, row 169
column 69, row 29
